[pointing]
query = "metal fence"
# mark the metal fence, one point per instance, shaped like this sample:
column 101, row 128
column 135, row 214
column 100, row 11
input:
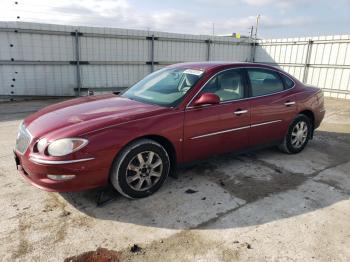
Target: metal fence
column 55, row 60
column 319, row 61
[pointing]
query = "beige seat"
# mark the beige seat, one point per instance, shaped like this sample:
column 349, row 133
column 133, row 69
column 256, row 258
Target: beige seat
column 268, row 86
column 230, row 88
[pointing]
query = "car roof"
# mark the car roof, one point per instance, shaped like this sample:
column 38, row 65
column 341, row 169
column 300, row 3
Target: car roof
column 217, row 65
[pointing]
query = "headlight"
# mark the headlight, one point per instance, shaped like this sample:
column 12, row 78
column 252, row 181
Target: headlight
column 41, row 145
column 65, row 146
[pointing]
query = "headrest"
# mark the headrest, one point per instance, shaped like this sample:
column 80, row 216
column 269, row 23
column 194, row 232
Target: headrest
column 231, row 82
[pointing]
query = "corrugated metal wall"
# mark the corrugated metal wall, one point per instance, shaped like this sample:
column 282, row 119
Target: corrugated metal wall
column 319, row 61
column 54, row 60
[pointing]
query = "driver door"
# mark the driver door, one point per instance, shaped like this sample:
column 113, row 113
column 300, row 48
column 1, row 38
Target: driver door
column 220, row 128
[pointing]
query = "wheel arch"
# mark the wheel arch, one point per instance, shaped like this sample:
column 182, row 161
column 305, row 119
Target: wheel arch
column 163, row 141
column 167, row 144
column 311, row 116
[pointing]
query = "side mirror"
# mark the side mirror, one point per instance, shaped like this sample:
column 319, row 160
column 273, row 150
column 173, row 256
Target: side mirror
column 207, row 99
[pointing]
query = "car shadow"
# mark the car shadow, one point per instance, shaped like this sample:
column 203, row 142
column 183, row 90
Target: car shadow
column 235, row 191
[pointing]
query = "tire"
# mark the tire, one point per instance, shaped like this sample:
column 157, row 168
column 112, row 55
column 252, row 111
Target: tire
column 289, row 144
column 133, row 176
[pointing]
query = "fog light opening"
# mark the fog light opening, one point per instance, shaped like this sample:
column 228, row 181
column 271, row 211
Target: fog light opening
column 61, row 177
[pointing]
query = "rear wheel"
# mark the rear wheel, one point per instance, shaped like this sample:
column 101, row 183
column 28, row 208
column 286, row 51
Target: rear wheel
column 140, row 169
column 298, row 135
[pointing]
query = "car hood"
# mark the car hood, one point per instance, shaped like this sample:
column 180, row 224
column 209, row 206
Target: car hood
column 86, row 114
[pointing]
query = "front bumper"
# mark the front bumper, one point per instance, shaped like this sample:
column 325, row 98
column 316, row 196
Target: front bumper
column 88, row 173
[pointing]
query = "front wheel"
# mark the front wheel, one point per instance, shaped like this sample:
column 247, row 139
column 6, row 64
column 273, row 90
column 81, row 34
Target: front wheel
column 299, row 133
column 140, row 169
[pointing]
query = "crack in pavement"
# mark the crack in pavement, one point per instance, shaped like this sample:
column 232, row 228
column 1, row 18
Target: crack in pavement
column 341, row 190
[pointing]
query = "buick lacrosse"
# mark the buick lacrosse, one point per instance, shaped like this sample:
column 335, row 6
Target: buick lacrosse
column 181, row 113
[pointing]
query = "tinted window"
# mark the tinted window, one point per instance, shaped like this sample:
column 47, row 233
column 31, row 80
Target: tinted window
column 228, row 85
column 287, row 81
column 264, row 82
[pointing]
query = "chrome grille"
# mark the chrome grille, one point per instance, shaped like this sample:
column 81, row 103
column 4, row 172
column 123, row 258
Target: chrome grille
column 23, row 139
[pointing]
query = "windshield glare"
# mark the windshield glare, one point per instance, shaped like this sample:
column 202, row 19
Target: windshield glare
column 165, row 87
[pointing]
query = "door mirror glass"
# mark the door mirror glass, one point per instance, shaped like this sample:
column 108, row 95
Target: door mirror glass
column 207, row 99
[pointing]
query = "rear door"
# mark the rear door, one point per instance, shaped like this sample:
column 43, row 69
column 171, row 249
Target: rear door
column 220, row 128
column 272, row 106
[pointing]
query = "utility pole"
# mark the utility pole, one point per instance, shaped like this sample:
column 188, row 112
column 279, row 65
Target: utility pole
column 256, row 27
column 255, row 38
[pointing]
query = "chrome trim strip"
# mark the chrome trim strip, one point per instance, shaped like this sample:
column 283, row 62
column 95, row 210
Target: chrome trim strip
column 246, row 98
column 266, row 123
column 58, row 162
column 221, row 132
column 235, row 129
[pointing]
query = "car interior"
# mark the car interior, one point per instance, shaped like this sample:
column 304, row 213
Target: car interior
column 228, row 86
column 264, row 83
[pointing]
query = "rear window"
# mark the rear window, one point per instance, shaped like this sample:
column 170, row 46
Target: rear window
column 264, row 82
column 287, row 81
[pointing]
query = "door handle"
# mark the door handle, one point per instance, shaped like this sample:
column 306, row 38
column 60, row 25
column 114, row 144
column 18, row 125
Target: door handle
column 239, row 112
column 289, row 103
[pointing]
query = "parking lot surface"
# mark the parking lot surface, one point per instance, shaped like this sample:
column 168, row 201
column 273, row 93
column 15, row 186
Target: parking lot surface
column 260, row 206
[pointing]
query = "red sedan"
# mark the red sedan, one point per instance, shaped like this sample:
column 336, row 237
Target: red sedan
column 178, row 114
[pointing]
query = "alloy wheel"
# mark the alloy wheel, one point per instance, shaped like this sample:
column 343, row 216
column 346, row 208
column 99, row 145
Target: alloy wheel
column 299, row 134
column 144, row 170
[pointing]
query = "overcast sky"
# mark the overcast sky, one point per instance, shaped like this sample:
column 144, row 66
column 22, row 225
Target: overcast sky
column 279, row 18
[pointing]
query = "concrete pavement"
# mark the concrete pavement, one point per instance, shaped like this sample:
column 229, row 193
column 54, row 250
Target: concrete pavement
column 260, row 206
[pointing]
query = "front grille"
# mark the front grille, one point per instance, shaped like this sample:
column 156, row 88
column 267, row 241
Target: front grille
column 23, row 139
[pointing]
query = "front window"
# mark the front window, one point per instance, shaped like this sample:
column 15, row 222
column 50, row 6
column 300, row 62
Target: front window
column 166, row 87
column 228, row 85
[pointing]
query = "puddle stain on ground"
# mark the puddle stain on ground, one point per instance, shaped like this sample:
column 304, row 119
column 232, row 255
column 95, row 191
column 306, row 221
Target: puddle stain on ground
column 248, row 186
column 99, row 255
column 251, row 189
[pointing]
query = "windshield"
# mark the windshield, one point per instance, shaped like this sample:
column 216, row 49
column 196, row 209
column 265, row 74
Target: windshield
column 165, row 87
